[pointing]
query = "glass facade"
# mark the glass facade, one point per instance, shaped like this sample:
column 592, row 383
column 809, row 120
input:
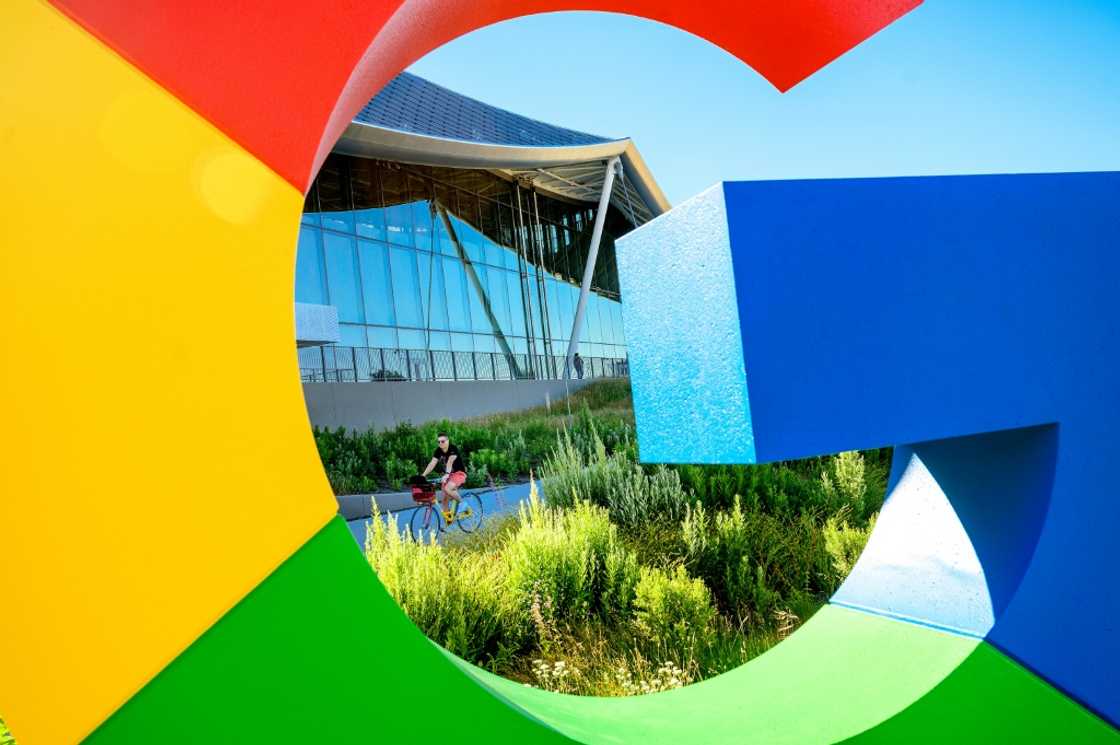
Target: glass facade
column 375, row 243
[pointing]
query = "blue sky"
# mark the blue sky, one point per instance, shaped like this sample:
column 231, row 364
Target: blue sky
column 956, row 86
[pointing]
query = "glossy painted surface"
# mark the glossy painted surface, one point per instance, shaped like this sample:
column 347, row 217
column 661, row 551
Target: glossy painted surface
column 122, row 426
column 973, row 318
column 237, row 63
column 678, row 281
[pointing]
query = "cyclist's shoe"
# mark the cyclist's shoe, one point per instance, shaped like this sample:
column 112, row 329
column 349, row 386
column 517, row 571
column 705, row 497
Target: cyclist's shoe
column 448, row 516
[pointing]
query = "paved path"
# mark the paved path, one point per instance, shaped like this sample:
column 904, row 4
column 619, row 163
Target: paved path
column 493, row 504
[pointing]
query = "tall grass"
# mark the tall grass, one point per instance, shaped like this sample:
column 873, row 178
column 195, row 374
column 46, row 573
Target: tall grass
column 459, row 600
column 632, row 496
column 629, row 578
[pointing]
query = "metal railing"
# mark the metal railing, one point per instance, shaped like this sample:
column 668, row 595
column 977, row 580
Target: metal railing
column 335, row 364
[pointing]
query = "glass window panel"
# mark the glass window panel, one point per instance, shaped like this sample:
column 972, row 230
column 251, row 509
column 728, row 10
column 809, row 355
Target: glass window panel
column 554, row 319
column 518, row 344
column 439, row 340
column 516, row 303
column 488, row 220
column 309, row 268
column 564, row 311
column 380, row 336
column 509, row 258
column 458, row 299
column 505, row 228
column 342, row 276
column 616, row 314
column 398, row 212
column 604, row 320
column 493, row 252
column 472, row 241
column 371, row 223
column 479, row 320
column 333, row 187
column 433, row 294
column 311, row 207
column 365, row 193
column 406, row 287
column 351, row 336
column 446, row 197
column 462, row 342
column 410, row 339
column 499, row 297
column 598, row 322
column 421, row 215
column 377, row 290
column 485, row 343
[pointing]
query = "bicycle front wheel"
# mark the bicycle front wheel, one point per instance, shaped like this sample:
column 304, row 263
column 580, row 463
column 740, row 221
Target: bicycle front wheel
column 469, row 513
column 425, row 521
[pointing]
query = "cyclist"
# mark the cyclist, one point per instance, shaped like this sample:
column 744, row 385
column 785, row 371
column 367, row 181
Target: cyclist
column 454, row 467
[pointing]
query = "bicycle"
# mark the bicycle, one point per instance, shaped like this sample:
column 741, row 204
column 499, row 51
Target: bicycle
column 427, row 517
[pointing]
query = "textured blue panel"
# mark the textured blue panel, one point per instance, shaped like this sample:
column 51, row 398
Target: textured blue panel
column 919, row 564
column 679, row 310
column 411, row 104
column 975, row 318
column 918, row 310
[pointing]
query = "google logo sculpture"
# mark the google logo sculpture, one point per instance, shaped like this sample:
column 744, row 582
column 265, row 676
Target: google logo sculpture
column 153, row 192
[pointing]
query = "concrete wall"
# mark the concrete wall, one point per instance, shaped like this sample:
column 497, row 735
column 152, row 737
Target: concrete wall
column 384, row 405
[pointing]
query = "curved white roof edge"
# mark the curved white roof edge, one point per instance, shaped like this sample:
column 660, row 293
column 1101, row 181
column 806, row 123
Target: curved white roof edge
column 368, row 141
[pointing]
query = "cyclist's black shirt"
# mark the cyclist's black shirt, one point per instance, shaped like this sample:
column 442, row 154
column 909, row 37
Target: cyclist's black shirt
column 460, row 463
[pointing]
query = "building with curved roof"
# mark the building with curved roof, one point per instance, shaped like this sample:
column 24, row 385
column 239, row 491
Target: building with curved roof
column 447, row 239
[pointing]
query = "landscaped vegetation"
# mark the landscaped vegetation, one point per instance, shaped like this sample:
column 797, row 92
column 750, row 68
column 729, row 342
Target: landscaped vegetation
column 624, row 578
column 504, row 446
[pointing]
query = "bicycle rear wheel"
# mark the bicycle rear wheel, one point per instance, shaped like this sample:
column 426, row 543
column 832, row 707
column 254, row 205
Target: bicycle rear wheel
column 468, row 513
column 425, row 520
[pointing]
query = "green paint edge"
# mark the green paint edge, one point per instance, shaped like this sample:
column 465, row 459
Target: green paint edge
column 320, row 653
column 991, row 698
column 843, row 672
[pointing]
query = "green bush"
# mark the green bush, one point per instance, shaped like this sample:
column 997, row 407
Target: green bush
column 573, row 558
column 754, row 562
column 496, row 463
column 844, row 544
column 508, row 445
column 397, row 471
column 632, row 496
column 673, row 612
column 459, row 601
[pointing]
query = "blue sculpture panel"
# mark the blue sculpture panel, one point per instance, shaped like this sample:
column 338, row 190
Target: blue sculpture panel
column 975, row 319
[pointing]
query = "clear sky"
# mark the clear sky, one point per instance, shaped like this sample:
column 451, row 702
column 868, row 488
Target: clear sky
column 956, row 86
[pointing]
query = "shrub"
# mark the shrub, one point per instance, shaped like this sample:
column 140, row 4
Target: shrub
column 458, row 601
column 571, row 557
column 842, row 482
column 398, row 470
column 673, row 612
column 632, row 496
column 496, row 463
column 752, row 561
column 844, row 544
column 510, row 444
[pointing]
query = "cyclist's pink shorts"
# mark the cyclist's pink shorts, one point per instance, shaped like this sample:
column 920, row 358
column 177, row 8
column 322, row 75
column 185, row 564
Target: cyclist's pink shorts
column 458, row 478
